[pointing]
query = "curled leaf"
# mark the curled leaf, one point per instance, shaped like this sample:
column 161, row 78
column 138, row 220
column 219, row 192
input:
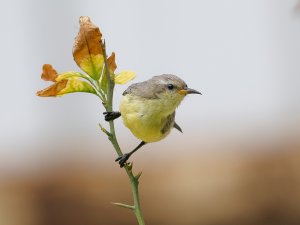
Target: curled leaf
column 112, row 66
column 124, row 77
column 87, row 51
column 49, row 73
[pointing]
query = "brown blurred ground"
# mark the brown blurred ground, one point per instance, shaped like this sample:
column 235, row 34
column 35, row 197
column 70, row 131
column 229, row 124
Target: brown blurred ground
column 255, row 186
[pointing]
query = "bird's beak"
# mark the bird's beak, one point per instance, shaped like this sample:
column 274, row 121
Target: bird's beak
column 187, row 91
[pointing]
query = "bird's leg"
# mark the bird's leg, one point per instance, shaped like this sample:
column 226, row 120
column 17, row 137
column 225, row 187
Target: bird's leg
column 108, row 116
column 122, row 159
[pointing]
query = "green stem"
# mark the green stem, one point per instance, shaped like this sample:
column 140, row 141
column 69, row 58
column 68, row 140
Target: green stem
column 134, row 180
column 135, row 191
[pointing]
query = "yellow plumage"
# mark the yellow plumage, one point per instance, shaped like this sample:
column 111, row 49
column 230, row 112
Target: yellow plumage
column 146, row 118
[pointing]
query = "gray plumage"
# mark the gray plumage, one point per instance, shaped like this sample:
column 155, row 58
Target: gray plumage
column 150, row 89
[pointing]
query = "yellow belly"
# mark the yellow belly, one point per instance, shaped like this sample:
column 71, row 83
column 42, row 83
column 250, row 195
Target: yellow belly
column 145, row 118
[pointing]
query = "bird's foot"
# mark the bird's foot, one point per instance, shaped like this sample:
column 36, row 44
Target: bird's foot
column 108, row 116
column 123, row 159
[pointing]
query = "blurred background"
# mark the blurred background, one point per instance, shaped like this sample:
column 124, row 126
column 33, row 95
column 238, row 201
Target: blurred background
column 238, row 160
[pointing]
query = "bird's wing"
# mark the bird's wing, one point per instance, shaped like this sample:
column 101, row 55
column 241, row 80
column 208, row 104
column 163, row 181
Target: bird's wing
column 176, row 126
column 168, row 123
column 147, row 89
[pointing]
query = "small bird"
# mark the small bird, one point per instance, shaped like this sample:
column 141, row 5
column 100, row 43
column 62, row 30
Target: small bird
column 148, row 109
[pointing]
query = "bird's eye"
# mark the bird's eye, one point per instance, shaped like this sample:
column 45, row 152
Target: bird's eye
column 170, row 86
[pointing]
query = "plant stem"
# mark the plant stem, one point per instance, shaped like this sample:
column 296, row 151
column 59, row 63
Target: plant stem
column 134, row 180
column 135, row 191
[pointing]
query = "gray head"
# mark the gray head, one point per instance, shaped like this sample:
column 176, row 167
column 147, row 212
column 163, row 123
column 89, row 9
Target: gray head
column 163, row 86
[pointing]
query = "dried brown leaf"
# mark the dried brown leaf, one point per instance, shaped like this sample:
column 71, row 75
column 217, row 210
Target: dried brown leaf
column 49, row 73
column 112, row 62
column 87, row 51
column 53, row 90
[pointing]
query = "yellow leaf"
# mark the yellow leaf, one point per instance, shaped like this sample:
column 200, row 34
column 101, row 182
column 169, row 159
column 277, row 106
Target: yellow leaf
column 93, row 65
column 65, row 83
column 68, row 74
column 76, row 85
column 124, row 77
column 87, row 51
column 66, row 86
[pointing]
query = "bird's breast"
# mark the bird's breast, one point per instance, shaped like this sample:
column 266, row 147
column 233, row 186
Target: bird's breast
column 148, row 119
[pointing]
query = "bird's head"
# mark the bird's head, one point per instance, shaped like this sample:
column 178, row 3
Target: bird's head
column 171, row 89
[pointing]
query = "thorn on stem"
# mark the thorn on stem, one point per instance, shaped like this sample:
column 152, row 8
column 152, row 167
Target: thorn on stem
column 137, row 177
column 123, row 205
column 104, row 130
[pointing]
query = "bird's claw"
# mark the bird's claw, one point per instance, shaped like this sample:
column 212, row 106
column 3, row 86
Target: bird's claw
column 108, row 116
column 122, row 159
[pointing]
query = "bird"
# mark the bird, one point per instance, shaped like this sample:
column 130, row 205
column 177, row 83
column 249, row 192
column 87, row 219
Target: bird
column 148, row 109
